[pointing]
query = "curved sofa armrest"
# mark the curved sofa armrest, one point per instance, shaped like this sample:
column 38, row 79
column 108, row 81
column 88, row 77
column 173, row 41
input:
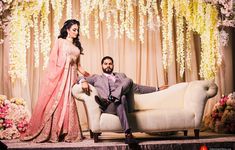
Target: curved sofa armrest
column 92, row 108
column 196, row 96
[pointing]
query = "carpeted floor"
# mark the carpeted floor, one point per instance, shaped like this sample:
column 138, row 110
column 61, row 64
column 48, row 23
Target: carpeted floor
column 115, row 141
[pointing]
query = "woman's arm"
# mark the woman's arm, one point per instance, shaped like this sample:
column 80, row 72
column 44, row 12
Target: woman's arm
column 82, row 71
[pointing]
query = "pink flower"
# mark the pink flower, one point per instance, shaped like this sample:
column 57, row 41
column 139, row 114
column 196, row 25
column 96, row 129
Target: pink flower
column 223, row 100
column 222, row 118
column 13, row 119
column 4, row 108
column 2, row 115
column 8, row 123
column 214, row 115
column 22, row 125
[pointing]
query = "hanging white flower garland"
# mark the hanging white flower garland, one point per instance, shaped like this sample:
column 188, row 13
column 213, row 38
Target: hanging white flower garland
column 69, row 9
column 36, row 41
column 45, row 40
column 198, row 15
column 24, row 15
column 19, row 38
column 57, row 6
column 118, row 15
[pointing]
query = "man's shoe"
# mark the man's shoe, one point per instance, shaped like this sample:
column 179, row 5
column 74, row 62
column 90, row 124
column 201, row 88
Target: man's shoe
column 114, row 99
column 130, row 139
column 102, row 103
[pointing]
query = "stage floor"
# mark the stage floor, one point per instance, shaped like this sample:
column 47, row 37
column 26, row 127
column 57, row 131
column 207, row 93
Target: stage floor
column 116, row 141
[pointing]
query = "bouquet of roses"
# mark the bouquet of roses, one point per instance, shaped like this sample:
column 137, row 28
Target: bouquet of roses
column 222, row 117
column 14, row 117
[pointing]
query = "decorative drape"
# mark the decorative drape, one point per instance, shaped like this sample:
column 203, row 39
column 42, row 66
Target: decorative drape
column 140, row 61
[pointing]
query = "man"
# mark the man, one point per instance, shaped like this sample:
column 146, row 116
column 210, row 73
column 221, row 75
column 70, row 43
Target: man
column 113, row 89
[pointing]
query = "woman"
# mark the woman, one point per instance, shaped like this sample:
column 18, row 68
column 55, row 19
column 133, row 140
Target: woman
column 55, row 117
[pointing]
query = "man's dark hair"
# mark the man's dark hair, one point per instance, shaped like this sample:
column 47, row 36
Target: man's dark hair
column 106, row 57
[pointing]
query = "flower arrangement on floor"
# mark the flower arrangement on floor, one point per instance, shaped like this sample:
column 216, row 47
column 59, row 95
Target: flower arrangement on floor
column 14, row 117
column 222, row 117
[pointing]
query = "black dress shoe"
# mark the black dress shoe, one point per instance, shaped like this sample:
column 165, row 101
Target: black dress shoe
column 114, row 99
column 130, row 139
column 103, row 104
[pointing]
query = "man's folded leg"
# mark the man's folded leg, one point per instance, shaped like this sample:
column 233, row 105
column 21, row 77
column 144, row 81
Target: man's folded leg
column 103, row 103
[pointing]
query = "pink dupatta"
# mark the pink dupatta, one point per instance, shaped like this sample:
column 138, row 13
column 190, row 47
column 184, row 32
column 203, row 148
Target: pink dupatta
column 55, row 114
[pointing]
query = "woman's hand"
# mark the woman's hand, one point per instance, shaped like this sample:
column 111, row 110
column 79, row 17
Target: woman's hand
column 86, row 74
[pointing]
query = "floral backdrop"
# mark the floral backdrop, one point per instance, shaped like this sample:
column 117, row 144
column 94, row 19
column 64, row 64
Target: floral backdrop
column 14, row 117
column 222, row 117
column 205, row 17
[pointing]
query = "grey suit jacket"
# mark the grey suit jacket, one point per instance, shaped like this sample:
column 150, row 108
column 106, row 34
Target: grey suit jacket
column 100, row 82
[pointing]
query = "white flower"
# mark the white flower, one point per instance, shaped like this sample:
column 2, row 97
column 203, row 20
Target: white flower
column 224, row 37
column 10, row 133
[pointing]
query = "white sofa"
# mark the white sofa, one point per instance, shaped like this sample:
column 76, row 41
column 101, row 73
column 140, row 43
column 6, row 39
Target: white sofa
column 178, row 108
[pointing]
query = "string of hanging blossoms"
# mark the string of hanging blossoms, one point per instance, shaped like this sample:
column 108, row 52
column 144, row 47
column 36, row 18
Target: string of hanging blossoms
column 122, row 14
column 45, row 40
column 20, row 16
column 57, row 6
column 194, row 13
column 68, row 9
column 190, row 16
column 198, row 16
column 19, row 38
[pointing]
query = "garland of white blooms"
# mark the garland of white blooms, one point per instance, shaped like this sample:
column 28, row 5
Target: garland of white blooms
column 69, row 9
column 195, row 15
column 57, row 6
column 19, row 31
column 24, row 15
column 45, row 40
column 122, row 14
column 198, row 16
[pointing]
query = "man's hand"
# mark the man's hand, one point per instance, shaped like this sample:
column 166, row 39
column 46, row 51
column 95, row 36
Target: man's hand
column 85, row 87
column 163, row 87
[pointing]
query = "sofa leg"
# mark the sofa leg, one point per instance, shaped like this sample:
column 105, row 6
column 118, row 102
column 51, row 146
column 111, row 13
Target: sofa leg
column 96, row 137
column 185, row 132
column 91, row 134
column 196, row 133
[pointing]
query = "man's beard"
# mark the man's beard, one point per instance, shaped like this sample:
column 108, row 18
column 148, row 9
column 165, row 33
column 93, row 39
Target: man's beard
column 107, row 70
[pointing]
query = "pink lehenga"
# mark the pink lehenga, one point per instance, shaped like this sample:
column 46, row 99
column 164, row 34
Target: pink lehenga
column 55, row 116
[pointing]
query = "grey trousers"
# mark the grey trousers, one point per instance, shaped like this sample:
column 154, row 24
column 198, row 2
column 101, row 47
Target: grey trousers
column 123, row 92
column 119, row 109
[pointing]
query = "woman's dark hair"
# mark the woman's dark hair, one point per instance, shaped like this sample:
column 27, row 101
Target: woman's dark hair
column 64, row 33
